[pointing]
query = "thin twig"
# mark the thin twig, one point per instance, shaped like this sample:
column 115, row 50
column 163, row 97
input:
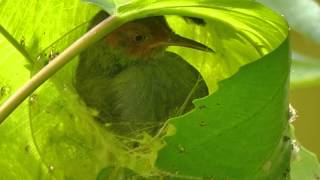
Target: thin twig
column 57, row 63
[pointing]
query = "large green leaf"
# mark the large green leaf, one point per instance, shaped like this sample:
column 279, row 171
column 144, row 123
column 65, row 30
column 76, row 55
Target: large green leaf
column 241, row 122
column 42, row 139
column 237, row 132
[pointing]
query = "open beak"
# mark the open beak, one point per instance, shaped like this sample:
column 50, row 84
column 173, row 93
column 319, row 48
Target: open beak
column 176, row 40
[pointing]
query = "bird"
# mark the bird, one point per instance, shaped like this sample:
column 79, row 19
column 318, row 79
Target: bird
column 130, row 79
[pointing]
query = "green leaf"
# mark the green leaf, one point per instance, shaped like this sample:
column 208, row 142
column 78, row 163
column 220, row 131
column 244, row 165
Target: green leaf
column 44, row 138
column 305, row 165
column 305, row 72
column 303, row 16
column 237, row 132
column 19, row 156
column 113, row 6
column 40, row 21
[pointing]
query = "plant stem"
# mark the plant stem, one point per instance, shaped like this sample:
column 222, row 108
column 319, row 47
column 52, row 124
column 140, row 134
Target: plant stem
column 57, row 63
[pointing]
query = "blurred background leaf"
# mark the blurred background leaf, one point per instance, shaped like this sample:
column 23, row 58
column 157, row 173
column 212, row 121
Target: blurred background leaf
column 305, row 71
column 302, row 15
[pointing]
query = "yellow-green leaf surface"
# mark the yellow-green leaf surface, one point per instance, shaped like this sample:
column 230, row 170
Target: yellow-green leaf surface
column 46, row 137
column 19, row 157
column 235, row 133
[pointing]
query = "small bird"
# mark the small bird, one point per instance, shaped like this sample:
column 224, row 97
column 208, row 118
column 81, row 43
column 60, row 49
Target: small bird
column 133, row 82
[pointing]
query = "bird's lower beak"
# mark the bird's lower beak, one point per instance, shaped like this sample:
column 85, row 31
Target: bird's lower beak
column 176, row 40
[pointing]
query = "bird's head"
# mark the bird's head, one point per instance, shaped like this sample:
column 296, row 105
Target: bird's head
column 142, row 38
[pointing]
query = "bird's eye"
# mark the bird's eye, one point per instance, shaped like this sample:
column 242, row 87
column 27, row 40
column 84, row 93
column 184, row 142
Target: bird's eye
column 139, row 38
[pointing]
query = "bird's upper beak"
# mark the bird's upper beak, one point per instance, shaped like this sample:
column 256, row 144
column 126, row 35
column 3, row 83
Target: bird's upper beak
column 176, row 40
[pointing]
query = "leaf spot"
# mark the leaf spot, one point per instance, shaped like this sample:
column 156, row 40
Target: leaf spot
column 202, row 107
column 5, row 90
column 52, row 55
column 203, row 124
column 65, row 87
column 286, row 172
column 27, row 148
column 23, row 42
column 32, row 99
column 181, row 149
column 286, row 138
